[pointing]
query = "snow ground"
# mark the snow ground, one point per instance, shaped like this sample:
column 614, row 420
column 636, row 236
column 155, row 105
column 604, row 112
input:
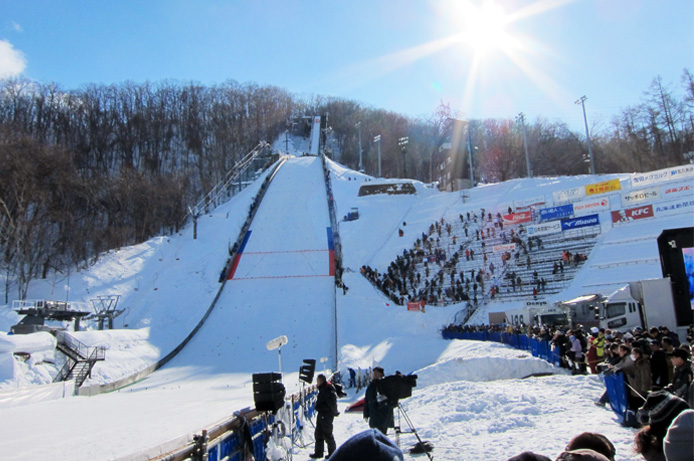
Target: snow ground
column 471, row 402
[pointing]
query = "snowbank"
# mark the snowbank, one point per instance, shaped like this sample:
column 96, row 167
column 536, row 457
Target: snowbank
column 482, row 361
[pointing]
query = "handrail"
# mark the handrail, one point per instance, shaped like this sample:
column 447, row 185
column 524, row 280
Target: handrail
column 73, row 344
column 235, row 172
column 215, row 436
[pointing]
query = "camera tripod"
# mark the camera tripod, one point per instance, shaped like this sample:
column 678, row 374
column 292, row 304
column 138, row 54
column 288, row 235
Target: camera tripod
column 425, row 447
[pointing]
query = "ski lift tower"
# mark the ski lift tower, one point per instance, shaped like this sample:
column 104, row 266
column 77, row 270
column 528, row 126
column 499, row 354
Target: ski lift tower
column 105, row 307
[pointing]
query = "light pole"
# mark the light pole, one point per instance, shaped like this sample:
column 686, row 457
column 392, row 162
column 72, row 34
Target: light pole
column 521, row 119
column 358, row 125
column 402, row 142
column 469, row 151
column 582, row 102
column 377, row 140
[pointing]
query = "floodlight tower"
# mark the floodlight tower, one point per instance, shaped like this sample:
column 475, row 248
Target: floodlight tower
column 582, row 102
column 402, row 142
column 521, row 119
column 361, row 166
column 377, row 140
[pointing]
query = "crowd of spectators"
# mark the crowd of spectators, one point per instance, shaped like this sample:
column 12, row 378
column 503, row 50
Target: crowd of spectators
column 656, row 366
column 454, row 262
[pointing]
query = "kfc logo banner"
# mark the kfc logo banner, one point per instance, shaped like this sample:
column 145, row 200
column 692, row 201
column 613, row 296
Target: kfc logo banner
column 576, row 223
column 517, row 218
column 643, row 195
column 632, row 214
column 603, row 187
column 591, row 206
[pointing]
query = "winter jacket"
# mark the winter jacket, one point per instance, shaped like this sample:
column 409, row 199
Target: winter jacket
column 326, row 401
column 681, row 380
column 379, row 412
column 659, row 368
column 576, row 347
column 639, row 377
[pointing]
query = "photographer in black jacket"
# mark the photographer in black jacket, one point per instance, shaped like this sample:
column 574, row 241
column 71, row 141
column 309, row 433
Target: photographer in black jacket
column 326, row 407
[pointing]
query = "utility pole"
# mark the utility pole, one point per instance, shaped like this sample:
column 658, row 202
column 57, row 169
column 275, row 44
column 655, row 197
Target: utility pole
column 582, row 102
column 361, row 166
column 521, row 119
column 377, row 140
column 402, row 142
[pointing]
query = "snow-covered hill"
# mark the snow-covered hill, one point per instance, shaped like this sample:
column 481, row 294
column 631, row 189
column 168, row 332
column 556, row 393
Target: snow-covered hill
column 470, row 395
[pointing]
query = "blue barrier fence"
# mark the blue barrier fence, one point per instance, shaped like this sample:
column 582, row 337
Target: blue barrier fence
column 616, row 388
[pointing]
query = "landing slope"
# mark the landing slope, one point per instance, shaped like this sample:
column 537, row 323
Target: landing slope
column 281, row 286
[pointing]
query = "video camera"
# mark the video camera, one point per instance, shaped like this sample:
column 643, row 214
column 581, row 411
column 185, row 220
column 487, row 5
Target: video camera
column 396, row 387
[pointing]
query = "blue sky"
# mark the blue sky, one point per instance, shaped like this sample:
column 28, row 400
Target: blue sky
column 404, row 56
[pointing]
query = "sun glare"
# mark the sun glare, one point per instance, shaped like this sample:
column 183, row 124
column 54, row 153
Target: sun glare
column 483, row 28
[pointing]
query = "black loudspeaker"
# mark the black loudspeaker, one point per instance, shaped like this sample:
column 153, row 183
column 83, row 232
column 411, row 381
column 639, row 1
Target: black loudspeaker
column 268, row 391
column 307, row 370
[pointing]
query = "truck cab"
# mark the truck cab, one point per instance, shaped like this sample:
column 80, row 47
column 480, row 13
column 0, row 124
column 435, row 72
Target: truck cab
column 621, row 311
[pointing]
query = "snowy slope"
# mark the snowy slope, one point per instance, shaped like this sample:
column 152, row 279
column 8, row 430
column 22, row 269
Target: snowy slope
column 471, row 395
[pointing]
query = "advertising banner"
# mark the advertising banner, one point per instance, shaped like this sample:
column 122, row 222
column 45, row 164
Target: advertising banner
column 666, row 174
column 577, row 223
column 677, row 191
column 545, row 228
column 603, row 187
column 674, row 207
column 589, row 206
column 504, row 248
column 526, row 204
column 517, row 218
column 631, row 214
column 413, row 306
column 651, row 194
column 556, row 212
column 569, row 195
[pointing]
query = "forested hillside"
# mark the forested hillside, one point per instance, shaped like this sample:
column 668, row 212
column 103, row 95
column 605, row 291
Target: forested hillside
column 86, row 170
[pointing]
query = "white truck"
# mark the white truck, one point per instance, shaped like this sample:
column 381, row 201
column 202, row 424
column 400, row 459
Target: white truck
column 536, row 313
column 644, row 303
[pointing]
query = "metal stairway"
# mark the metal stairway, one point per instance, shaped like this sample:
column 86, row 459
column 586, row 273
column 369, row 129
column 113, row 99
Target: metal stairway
column 80, row 358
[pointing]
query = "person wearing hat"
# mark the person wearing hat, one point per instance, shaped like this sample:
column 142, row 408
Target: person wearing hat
column 682, row 377
column 668, row 348
column 656, row 415
column 659, row 365
column 596, row 349
column 679, row 440
column 377, row 410
column 326, row 407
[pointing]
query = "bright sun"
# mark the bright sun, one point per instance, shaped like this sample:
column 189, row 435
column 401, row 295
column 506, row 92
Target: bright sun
column 483, row 28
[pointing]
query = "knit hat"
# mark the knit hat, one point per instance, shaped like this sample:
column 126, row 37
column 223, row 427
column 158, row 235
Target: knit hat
column 583, row 454
column 679, row 441
column 370, row 445
column 661, row 408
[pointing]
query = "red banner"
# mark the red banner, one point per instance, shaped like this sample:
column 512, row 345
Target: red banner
column 413, row 306
column 517, row 218
column 631, row 214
